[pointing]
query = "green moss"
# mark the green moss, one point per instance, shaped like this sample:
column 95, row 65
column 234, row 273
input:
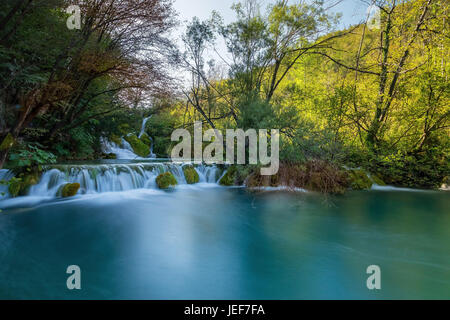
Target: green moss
column 69, row 189
column 191, row 175
column 7, row 143
column 166, row 180
column 146, row 139
column 140, row 148
column 359, row 180
column 376, row 179
column 116, row 139
column 124, row 128
column 19, row 186
column 15, row 185
column 229, row 177
column 110, row 156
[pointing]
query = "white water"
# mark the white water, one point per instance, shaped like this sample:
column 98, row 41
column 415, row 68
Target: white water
column 124, row 151
column 144, row 123
column 112, row 177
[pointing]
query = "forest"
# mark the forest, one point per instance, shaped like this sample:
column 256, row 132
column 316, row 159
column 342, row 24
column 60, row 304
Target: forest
column 374, row 96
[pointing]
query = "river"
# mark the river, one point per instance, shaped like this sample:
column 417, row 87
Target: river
column 204, row 241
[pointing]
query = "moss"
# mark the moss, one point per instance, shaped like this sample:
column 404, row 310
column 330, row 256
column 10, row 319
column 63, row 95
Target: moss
column 116, row 139
column 359, row 179
column 110, row 156
column 124, row 128
column 229, row 177
column 191, row 175
column 376, row 179
column 139, row 148
column 69, row 189
column 146, row 139
column 15, row 185
column 166, row 180
column 7, row 143
column 19, row 186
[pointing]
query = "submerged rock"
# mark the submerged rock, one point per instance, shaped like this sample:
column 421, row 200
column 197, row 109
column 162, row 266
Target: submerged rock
column 139, row 148
column 69, row 189
column 166, row 180
column 191, row 174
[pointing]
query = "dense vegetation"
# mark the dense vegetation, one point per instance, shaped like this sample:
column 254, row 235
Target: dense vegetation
column 376, row 98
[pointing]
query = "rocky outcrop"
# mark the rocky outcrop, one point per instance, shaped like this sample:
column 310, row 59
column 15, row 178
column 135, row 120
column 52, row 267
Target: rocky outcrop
column 190, row 174
column 69, row 190
column 19, row 186
column 166, row 180
column 139, row 148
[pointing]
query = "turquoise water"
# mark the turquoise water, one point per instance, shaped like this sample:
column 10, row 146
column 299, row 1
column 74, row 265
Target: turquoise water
column 209, row 242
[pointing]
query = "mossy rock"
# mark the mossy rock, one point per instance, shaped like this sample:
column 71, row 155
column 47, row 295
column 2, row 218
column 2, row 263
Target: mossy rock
column 7, row 143
column 376, row 179
column 69, row 189
column 110, row 156
column 139, row 148
column 166, row 180
column 191, row 175
column 229, row 177
column 20, row 186
column 124, row 128
column 146, row 139
column 359, row 179
column 116, row 139
column 15, row 185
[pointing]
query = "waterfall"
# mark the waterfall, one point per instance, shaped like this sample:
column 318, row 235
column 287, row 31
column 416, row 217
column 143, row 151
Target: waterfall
column 144, row 122
column 124, row 151
column 111, row 177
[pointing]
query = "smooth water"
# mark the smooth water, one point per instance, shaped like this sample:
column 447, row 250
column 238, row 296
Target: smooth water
column 208, row 242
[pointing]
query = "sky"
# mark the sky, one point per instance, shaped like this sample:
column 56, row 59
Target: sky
column 353, row 12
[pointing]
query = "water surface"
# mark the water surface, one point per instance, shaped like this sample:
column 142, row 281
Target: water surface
column 209, row 242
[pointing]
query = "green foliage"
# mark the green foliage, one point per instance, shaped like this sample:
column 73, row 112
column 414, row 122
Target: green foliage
column 30, row 155
column 146, row 139
column 423, row 170
column 166, row 180
column 229, row 178
column 359, row 179
column 190, row 174
column 7, row 142
column 15, row 185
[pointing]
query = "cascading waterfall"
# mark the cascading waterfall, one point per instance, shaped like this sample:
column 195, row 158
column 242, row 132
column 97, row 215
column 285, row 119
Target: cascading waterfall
column 112, row 177
column 124, row 151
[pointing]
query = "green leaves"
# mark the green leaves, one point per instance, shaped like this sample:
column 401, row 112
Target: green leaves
column 30, row 155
